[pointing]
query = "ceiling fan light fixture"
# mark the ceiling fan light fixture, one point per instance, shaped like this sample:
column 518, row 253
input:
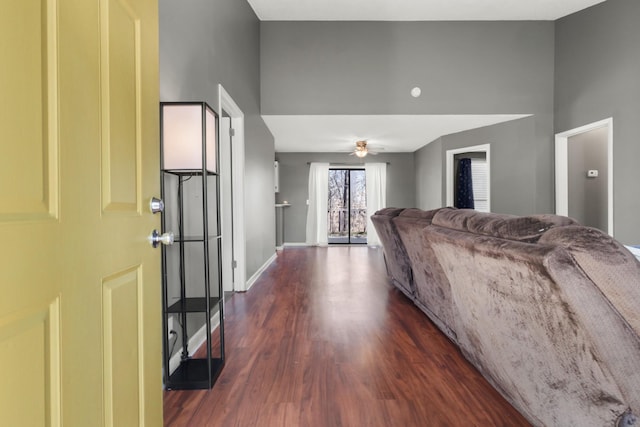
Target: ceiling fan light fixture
column 361, row 149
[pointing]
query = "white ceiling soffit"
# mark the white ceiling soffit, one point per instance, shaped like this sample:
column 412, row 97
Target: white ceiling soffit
column 388, row 133
column 417, row 10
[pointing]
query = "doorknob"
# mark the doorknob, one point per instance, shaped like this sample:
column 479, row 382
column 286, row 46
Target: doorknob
column 156, row 205
column 156, row 238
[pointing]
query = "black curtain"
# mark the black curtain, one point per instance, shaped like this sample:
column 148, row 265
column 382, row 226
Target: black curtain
column 464, row 185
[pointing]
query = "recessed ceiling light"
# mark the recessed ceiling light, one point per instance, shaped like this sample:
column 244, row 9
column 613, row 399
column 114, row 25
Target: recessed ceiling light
column 415, row 92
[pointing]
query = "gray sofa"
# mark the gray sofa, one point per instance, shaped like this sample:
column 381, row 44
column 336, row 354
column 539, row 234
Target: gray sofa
column 432, row 292
column 546, row 309
column 396, row 260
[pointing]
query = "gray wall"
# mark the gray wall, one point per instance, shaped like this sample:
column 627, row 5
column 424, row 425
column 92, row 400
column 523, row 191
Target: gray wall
column 513, row 167
column 370, row 67
column 513, row 164
column 462, row 68
column 203, row 43
column 429, row 176
column 597, row 76
column 588, row 196
column 294, row 184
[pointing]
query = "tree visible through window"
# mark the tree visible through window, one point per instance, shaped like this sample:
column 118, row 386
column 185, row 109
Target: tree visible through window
column 347, row 206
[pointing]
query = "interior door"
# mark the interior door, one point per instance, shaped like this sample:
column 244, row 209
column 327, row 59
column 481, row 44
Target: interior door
column 80, row 336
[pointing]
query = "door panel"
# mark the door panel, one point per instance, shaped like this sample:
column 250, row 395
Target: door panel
column 80, row 312
column 122, row 355
column 31, row 338
column 120, row 49
column 28, row 88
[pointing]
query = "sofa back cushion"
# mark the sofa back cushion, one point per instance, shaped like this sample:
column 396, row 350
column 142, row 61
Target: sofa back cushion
column 615, row 277
column 611, row 267
column 519, row 228
column 421, row 214
column 518, row 326
column 390, row 212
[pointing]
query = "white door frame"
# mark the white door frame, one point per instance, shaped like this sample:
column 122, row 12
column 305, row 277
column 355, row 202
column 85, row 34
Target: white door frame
column 562, row 167
column 226, row 204
column 226, row 103
column 484, row 148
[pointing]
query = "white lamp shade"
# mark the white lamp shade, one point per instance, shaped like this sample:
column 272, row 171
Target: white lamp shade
column 182, row 131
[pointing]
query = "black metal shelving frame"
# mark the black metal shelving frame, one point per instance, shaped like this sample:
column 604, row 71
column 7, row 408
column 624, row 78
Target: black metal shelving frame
column 193, row 372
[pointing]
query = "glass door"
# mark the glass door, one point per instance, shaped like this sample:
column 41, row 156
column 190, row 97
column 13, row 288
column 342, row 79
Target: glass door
column 347, row 220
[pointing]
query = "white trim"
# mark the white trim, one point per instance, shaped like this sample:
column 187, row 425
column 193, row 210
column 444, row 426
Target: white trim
column 226, row 103
column 298, row 244
column 226, row 204
column 484, row 148
column 562, row 168
column 253, row 279
column 196, row 340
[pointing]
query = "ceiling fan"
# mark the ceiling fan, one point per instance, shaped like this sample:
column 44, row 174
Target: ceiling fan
column 361, row 150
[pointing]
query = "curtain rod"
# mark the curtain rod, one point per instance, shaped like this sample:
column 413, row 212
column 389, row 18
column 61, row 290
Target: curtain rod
column 352, row 164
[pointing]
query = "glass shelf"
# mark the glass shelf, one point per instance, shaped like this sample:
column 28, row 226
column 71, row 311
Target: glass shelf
column 193, row 374
column 188, row 172
column 192, row 305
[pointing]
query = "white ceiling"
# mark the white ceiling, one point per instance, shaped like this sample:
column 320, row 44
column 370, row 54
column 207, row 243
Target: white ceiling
column 385, row 133
column 393, row 133
column 416, row 10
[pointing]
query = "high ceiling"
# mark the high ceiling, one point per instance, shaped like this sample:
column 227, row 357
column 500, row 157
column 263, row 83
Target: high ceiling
column 416, row 10
column 384, row 133
column 392, row 133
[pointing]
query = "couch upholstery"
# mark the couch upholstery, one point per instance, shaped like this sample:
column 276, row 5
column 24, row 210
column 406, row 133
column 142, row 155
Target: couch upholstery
column 397, row 262
column 546, row 309
column 432, row 293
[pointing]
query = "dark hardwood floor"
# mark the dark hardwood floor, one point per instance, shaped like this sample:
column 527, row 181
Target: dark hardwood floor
column 323, row 340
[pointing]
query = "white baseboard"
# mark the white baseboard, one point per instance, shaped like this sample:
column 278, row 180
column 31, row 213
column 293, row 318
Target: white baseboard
column 199, row 338
column 257, row 274
column 295, row 244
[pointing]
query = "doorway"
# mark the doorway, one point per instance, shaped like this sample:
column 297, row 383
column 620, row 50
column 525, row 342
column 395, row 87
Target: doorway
column 347, row 207
column 584, row 175
column 480, row 156
column 232, row 194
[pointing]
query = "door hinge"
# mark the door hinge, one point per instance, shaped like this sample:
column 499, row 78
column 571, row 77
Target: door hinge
column 232, row 132
column 234, row 264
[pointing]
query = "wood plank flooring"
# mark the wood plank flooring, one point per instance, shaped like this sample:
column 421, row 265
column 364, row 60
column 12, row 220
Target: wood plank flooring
column 323, row 340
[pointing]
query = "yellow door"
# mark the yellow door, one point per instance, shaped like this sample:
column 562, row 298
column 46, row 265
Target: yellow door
column 80, row 334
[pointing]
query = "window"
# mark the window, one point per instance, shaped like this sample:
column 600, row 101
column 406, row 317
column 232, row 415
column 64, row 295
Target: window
column 347, row 206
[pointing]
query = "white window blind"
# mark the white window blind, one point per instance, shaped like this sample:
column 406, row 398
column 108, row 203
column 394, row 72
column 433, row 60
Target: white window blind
column 479, row 173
